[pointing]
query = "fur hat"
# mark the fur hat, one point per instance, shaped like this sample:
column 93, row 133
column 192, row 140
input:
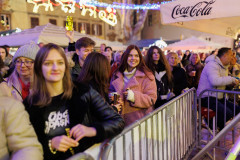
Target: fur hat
column 28, row 51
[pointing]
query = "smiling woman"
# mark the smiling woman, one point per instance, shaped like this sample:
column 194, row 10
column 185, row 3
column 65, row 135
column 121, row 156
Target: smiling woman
column 18, row 84
column 53, row 67
column 136, row 85
column 66, row 115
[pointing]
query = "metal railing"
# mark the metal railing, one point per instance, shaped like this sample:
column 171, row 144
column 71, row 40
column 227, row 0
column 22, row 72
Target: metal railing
column 224, row 110
column 169, row 132
column 218, row 137
column 81, row 156
column 233, row 153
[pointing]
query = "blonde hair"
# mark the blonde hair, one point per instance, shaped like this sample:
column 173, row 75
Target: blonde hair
column 13, row 80
column 170, row 54
column 190, row 59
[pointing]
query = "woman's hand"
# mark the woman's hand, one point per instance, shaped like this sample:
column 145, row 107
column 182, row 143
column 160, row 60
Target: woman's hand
column 119, row 107
column 79, row 131
column 129, row 95
column 63, row 143
column 125, row 94
column 236, row 82
column 120, row 101
column 192, row 73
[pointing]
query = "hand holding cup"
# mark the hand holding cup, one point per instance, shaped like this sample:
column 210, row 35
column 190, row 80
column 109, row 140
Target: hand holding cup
column 192, row 73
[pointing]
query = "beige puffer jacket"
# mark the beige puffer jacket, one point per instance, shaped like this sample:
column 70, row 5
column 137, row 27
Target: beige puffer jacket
column 16, row 133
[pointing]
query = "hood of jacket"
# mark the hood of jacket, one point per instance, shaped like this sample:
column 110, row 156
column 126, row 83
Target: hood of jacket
column 216, row 59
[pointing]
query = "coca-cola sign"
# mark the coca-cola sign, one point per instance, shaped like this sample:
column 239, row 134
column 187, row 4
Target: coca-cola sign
column 202, row 8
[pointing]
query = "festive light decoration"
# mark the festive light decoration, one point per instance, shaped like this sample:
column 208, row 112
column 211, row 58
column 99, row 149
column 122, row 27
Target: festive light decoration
column 68, row 6
column 110, row 18
column 37, row 4
column 116, row 5
column 85, row 7
column 108, row 15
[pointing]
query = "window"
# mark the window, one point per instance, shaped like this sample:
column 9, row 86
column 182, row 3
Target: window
column 84, row 28
column 150, row 20
column 53, row 21
column 111, row 27
column 34, row 22
column 97, row 29
column 5, row 22
column 74, row 25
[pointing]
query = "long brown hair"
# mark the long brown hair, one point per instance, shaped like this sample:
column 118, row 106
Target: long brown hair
column 123, row 65
column 39, row 95
column 96, row 70
column 163, row 60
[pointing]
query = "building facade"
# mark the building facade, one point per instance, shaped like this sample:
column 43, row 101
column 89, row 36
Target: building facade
column 24, row 14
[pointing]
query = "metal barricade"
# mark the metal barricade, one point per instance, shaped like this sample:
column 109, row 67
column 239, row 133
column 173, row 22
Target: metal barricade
column 81, row 156
column 233, row 153
column 224, row 110
column 169, row 132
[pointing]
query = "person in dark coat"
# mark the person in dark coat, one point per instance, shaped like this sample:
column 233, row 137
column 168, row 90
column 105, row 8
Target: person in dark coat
column 194, row 70
column 83, row 47
column 67, row 118
column 95, row 72
column 158, row 64
column 179, row 74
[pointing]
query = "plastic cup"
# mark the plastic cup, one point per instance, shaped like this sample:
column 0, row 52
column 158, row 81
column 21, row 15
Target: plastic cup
column 194, row 73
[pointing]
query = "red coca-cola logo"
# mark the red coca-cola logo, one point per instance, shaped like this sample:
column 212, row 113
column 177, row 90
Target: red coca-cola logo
column 200, row 9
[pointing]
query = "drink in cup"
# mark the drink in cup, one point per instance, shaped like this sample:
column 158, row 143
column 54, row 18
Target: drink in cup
column 194, row 73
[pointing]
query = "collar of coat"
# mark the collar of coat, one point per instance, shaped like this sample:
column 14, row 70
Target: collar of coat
column 139, row 74
column 217, row 60
column 119, row 84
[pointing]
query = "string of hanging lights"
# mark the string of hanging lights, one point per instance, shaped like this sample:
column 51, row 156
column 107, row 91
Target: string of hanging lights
column 116, row 5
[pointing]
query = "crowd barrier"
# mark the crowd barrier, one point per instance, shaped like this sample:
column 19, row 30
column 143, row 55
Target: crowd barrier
column 168, row 133
column 212, row 118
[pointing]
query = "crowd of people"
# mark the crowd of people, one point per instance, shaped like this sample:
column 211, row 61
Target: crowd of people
column 74, row 100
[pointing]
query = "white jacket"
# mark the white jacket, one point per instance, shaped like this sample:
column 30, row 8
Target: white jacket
column 214, row 76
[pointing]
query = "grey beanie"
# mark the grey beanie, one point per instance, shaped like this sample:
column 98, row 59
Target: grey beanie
column 28, row 51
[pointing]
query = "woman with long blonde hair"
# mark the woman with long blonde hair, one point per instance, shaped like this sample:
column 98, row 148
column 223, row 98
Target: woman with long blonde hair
column 18, row 84
column 179, row 74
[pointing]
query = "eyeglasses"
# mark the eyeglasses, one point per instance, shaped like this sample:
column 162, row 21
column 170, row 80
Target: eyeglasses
column 26, row 63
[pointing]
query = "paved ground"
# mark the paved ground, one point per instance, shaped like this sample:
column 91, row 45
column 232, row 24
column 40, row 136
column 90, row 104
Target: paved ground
column 224, row 143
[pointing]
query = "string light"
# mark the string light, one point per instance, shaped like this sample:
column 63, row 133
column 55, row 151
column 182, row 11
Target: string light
column 116, row 5
column 108, row 15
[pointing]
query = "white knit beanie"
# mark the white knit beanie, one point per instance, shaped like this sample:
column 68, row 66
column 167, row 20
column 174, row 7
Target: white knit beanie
column 28, row 51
